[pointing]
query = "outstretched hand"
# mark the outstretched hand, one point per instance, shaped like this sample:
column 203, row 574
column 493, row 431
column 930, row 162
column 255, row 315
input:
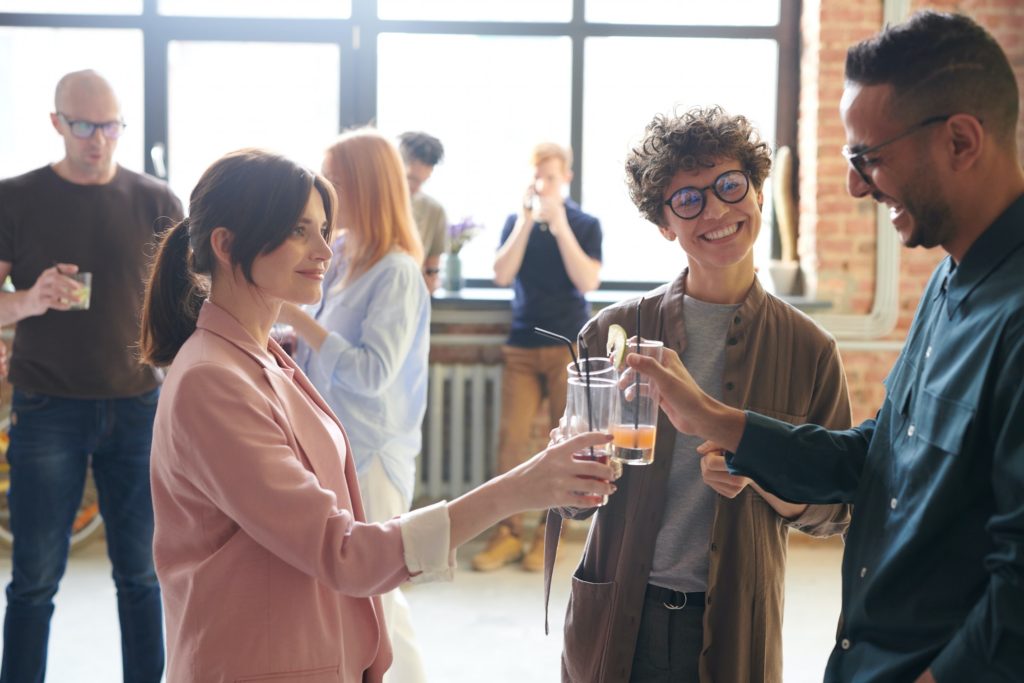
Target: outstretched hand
column 554, row 478
column 690, row 410
column 680, row 397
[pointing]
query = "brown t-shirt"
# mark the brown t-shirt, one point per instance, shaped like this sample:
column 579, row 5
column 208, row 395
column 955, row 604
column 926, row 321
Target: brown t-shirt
column 109, row 230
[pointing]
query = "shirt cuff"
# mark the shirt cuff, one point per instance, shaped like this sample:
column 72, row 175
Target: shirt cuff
column 427, row 539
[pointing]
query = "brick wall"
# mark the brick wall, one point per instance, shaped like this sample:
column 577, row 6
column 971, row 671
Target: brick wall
column 837, row 233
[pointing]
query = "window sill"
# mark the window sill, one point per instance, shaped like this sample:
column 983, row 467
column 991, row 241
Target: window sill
column 491, row 305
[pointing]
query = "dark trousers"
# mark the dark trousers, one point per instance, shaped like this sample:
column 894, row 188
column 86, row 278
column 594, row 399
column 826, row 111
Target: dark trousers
column 51, row 442
column 669, row 641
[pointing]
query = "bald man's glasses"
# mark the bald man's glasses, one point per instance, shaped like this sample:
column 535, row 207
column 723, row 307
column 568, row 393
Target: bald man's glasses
column 84, row 130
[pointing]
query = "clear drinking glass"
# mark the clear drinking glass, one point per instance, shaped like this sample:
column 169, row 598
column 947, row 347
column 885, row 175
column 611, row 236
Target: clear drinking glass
column 634, row 432
column 591, row 405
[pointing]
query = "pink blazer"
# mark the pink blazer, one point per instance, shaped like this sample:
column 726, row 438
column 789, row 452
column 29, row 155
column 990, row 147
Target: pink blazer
column 263, row 555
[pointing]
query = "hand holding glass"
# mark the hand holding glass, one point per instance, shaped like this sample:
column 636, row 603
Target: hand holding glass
column 592, row 408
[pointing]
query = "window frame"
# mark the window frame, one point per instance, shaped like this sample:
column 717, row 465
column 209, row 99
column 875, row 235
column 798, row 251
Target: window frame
column 356, row 38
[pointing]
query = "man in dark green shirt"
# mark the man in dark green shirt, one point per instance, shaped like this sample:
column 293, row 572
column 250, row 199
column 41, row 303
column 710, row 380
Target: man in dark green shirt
column 933, row 573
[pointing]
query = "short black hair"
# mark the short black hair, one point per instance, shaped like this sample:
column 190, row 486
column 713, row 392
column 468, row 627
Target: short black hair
column 939, row 64
column 421, row 147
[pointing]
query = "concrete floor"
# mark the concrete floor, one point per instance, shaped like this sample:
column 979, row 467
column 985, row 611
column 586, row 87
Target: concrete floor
column 481, row 627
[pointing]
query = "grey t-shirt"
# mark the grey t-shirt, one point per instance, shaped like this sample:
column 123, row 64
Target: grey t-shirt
column 681, row 550
column 432, row 223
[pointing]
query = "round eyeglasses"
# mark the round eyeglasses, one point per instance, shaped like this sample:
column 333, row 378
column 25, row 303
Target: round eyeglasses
column 84, row 130
column 688, row 202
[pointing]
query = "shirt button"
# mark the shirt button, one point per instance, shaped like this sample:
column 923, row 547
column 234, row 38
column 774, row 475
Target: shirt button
column 863, row 571
column 910, row 430
column 928, row 352
column 736, row 320
column 729, row 386
column 732, row 341
column 893, row 503
column 845, row 643
column 714, row 547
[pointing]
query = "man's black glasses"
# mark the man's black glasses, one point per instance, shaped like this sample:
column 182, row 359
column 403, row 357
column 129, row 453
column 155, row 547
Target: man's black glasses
column 688, row 202
column 86, row 129
column 859, row 160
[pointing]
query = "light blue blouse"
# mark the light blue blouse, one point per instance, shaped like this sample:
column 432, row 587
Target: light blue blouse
column 372, row 367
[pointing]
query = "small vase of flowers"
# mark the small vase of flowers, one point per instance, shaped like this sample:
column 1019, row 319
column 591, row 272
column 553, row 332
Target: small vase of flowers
column 458, row 235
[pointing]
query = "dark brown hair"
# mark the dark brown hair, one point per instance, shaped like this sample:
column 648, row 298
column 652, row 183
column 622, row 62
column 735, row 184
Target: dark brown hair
column 255, row 194
column 685, row 142
column 940, row 64
column 422, row 147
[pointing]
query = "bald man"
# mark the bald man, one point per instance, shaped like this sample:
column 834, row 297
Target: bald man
column 80, row 396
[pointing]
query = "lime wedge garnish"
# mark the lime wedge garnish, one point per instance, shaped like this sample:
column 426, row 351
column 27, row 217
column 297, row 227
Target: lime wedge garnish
column 616, row 345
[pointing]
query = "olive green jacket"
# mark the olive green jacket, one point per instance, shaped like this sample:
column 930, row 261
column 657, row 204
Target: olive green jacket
column 778, row 362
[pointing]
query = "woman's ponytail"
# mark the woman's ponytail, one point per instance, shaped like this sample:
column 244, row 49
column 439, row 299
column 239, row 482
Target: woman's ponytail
column 174, row 296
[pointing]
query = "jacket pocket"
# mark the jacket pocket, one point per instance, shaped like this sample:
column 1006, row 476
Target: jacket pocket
column 587, row 625
column 327, row 674
column 943, row 422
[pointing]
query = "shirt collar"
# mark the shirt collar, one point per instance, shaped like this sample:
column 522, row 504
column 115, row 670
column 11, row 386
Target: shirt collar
column 986, row 255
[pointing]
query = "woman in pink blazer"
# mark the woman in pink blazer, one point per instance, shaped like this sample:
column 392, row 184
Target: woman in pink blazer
column 267, row 566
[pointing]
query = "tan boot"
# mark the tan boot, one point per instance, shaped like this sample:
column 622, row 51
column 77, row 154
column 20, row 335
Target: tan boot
column 534, row 560
column 502, row 548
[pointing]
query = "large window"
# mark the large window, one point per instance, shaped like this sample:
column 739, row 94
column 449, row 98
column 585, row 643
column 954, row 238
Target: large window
column 660, row 75
column 489, row 111
column 491, row 79
column 225, row 96
column 29, row 140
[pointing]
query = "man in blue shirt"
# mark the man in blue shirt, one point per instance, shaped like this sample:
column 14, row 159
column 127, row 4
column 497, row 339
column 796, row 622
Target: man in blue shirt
column 933, row 573
column 550, row 254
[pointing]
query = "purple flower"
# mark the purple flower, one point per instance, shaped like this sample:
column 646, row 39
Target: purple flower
column 462, row 232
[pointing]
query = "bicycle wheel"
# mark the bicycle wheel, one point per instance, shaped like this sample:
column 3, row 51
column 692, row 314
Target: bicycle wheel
column 88, row 522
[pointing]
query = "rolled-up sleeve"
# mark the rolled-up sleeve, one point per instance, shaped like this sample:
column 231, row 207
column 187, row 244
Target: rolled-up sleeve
column 426, row 536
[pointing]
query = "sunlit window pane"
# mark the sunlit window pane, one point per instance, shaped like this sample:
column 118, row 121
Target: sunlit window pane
column 626, row 82
column 224, row 96
column 489, row 100
column 29, row 140
column 72, row 6
column 258, row 8
column 475, row 10
column 732, row 13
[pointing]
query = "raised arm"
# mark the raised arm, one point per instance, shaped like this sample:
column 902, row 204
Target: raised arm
column 515, row 237
column 583, row 269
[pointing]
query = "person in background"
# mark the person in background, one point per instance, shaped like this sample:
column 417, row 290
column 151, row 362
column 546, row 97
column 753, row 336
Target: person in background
column 933, row 569
column 365, row 346
column 80, row 395
column 420, row 154
column 268, row 566
column 550, row 254
column 683, row 576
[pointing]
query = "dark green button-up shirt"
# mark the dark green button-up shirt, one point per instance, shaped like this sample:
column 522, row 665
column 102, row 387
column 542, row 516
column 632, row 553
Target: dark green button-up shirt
column 933, row 573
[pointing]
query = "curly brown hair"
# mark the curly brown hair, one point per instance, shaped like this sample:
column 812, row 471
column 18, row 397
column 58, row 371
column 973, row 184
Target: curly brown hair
column 701, row 136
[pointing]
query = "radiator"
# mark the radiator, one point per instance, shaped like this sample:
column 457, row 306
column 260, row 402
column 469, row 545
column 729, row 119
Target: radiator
column 460, row 429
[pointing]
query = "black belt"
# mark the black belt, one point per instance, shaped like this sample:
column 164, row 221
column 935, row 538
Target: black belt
column 671, row 599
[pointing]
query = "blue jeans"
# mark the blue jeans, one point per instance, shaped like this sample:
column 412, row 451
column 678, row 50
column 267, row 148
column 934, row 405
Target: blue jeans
column 51, row 442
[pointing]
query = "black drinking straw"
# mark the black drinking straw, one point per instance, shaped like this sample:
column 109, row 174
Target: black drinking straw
column 636, row 412
column 586, row 374
column 554, row 335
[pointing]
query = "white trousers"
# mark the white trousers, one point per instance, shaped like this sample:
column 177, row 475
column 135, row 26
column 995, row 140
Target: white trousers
column 382, row 501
